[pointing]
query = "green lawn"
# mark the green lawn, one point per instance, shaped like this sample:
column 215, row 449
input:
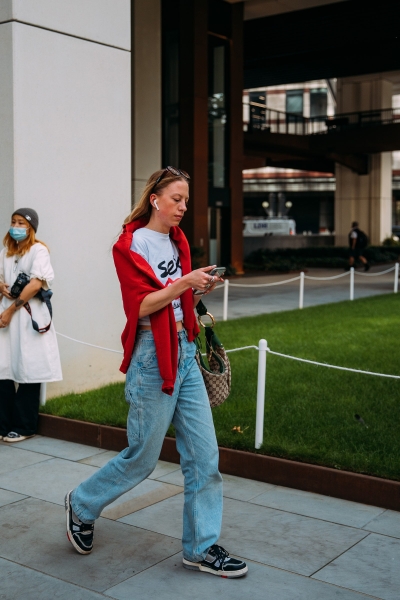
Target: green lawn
column 310, row 410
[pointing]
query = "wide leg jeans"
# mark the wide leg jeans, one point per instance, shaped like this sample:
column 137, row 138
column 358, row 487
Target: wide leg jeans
column 150, row 414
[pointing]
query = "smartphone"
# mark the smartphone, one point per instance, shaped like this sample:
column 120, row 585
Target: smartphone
column 217, row 271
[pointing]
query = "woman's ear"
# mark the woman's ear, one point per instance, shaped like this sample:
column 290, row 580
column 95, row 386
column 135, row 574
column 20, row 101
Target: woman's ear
column 153, row 201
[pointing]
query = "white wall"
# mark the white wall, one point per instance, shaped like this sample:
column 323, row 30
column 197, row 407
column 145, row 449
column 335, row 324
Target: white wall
column 104, row 21
column 6, row 9
column 6, row 126
column 71, row 122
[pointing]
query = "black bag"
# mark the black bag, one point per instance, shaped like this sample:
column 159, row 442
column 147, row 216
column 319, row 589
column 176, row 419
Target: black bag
column 362, row 239
column 19, row 284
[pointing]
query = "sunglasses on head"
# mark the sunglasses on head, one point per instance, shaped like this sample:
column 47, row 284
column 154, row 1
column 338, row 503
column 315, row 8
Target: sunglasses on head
column 174, row 171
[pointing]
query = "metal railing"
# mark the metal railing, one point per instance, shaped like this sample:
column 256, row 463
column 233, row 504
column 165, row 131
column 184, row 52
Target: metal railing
column 258, row 117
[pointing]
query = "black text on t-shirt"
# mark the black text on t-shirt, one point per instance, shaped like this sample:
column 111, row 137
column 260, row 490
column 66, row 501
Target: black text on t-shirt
column 170, row 268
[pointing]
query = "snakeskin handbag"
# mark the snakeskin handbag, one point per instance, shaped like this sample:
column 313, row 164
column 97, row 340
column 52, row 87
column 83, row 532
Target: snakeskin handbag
column 217, row 375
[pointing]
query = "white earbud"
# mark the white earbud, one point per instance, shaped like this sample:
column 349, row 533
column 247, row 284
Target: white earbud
column 156, row 205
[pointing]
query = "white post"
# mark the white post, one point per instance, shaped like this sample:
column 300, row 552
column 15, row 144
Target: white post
column 42, row 394
column 262, row 371
column 225, row 306
column 396, row 277
column 351, row 283
column 301, row 295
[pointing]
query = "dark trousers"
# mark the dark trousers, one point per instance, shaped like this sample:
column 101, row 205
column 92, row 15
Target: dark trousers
column 19, row 409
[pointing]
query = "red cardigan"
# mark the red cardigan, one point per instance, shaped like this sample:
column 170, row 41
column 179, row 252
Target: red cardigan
column 137, row 279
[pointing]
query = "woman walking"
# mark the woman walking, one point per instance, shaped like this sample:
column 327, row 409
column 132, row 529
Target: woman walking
column 163, row 381
column 27, row 357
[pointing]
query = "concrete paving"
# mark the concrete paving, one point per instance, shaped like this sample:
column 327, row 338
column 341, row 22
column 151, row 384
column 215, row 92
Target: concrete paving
column 299, row 546
column 248, row 301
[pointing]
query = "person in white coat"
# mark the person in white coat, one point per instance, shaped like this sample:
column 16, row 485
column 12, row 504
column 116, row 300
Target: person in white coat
column 28, row 357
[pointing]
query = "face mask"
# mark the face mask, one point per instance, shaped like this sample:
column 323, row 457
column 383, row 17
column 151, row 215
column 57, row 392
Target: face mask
column 18, row 233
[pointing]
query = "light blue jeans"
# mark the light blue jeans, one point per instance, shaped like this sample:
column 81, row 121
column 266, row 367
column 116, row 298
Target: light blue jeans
column 150, row 414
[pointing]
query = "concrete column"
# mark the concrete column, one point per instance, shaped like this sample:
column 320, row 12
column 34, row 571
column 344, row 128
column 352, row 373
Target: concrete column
column 146, row 92
column 364, row 198
column 65, row 151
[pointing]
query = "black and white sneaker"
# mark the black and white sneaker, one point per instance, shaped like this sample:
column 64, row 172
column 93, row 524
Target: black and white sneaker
column 218, row 562
column 79, row 534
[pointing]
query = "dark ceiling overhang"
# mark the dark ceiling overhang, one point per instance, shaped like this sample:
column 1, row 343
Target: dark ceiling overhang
column 320, row 152
column 336, row 40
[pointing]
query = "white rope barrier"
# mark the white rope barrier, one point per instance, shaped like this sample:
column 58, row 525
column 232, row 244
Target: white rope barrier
column 302, row 277
column 352, row 283
column 87, row 344
column 255, row 285
column 319, row 364
column 312, row 362
column 263, row 350
column 301, row 291
column 261, row 382
column 375, row 274
column 242, row 348
column 327, row 278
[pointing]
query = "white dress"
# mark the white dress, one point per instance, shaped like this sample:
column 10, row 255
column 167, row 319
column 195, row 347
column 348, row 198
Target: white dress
column 27, row 356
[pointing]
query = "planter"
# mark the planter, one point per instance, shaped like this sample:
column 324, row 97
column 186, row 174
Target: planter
column 289, row 473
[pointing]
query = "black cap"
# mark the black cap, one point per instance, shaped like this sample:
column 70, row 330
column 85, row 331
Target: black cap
column 30, row 215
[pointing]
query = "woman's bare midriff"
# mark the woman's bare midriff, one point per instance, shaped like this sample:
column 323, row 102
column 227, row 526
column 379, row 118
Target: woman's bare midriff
column 179, row 326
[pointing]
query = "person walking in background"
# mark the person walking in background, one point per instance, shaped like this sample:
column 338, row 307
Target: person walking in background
column 358, row 241
column 27, row 357
column 163, row 380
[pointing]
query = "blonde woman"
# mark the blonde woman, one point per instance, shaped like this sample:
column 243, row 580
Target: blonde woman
column 27, row 357
column 163, row 381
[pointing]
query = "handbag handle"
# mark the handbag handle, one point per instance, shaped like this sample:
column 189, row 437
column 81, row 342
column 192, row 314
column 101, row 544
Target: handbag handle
column 202, row 312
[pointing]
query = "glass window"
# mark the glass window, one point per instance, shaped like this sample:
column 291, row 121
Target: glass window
column 318, row 102
column 217, row 113
column 294, row 102
column 257, row 109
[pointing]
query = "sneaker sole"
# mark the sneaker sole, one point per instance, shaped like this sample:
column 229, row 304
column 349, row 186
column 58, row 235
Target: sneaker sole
column 70, row 537
column 20, row 439
column 224, row 574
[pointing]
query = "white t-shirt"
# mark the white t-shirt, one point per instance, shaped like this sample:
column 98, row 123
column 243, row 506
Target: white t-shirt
column 163, row 257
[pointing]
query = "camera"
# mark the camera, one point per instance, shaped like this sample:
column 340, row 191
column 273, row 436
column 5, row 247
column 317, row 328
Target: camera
column 19, row 284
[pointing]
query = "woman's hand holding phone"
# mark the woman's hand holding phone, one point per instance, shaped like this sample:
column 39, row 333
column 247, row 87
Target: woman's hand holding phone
column 214, row 275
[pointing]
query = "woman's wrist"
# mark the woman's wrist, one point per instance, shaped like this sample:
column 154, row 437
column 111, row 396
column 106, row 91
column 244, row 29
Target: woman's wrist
column 16, row 305
column 185, row 280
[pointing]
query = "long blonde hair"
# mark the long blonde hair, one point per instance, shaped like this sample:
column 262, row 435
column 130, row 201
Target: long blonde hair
column 143, row 208
column 14, row 248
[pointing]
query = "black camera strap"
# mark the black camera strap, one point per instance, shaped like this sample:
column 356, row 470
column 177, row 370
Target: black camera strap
column 19, row 284
column 45, row 297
